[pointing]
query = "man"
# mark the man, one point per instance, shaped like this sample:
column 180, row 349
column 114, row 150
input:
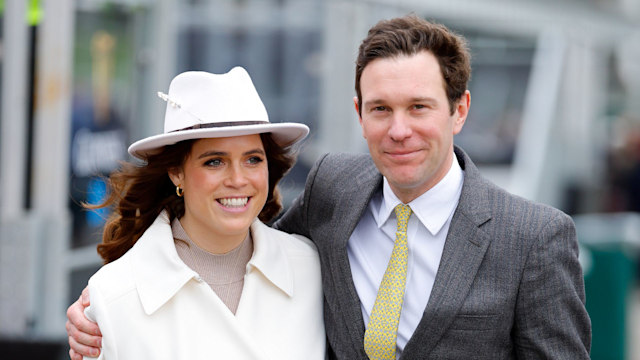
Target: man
column 461, row 269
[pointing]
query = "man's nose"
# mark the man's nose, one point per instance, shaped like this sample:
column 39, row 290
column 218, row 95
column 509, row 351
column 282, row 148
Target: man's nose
column 400, row 128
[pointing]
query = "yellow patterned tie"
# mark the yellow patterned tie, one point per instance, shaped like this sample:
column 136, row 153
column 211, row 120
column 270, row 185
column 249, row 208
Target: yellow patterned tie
column 382, row 331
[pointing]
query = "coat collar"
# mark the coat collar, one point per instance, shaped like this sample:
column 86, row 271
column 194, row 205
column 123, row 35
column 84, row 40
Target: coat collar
column 159, row 273
column 270, row 258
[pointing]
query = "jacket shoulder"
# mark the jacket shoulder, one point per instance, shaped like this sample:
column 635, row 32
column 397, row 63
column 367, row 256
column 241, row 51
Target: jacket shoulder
column 115, row 278
column 346, row 161
column 516, row 205
column 341, row 171
column 479, row 195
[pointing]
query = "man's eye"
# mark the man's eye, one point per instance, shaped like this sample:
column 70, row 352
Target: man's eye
column 379, row 108
column 418, row 106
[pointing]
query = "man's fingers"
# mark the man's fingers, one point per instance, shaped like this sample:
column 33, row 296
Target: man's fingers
column 75, row 314
column 83, row 338
column 85, row 297
column 74, row 356
column 78, row 350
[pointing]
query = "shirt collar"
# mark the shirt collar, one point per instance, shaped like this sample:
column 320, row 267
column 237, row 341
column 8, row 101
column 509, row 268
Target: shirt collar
column 434, row 207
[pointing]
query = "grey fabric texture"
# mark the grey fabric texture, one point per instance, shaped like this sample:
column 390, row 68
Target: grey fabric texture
column 509, row 284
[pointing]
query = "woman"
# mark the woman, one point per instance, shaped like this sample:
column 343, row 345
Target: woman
column 191, row 273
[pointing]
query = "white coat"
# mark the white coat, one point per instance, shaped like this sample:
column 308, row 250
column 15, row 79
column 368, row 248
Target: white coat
column 150, row 305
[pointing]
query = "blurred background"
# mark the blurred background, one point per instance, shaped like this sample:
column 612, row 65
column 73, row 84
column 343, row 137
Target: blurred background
column 555, row 117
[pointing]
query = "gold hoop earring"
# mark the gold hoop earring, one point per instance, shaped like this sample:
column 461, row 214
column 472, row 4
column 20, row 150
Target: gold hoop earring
column 179, row 191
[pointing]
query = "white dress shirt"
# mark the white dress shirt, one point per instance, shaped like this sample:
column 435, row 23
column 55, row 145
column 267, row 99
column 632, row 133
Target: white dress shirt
column 371, row 243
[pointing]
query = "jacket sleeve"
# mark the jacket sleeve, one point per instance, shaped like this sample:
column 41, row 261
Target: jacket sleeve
column 296, row 219
column 551, row 320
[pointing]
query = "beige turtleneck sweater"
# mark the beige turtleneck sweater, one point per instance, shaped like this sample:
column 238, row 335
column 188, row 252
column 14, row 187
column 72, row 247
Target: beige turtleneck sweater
column 223, row 272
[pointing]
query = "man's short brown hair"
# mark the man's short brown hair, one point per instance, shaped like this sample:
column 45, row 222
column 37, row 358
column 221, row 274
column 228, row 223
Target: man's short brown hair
column 410, row 35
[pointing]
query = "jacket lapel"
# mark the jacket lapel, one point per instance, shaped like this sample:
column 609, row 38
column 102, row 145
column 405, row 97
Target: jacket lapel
column 464, row 250
column 355, row 200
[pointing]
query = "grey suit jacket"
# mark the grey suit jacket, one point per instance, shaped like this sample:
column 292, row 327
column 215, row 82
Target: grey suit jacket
column 509, row 285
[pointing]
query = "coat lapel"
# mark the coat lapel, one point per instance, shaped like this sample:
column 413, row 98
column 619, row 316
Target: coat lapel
column 464, row 250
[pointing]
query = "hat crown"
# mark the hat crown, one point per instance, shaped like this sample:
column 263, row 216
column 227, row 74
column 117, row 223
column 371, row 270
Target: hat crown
column 198, row 97
column 203, row 105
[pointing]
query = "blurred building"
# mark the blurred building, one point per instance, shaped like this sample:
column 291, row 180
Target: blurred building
column 555, row 102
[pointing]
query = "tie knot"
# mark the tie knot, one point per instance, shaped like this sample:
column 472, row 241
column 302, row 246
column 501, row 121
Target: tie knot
column 403, row 212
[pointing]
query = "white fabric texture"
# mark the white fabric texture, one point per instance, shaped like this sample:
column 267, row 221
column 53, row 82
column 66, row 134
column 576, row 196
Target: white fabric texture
column 150, row 305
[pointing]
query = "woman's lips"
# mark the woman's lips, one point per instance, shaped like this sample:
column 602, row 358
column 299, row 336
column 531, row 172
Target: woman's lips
column 233, row 202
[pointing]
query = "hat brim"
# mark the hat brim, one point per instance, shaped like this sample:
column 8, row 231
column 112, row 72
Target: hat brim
column 284, row 134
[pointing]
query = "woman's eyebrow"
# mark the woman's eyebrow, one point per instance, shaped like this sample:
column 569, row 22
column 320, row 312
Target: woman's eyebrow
column 212, row 153
column 223, row 153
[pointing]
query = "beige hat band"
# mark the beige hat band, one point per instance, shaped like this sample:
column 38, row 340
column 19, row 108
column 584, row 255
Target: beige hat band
column 222, row 124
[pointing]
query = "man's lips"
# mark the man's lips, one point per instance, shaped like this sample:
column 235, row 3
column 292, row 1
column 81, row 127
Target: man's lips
column 401, row 153
column 402, row 156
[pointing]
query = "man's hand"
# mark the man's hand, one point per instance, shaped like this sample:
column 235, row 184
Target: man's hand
column 85, row 338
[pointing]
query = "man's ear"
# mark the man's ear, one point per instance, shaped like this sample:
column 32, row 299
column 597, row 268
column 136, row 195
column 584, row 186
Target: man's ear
column 461, row 112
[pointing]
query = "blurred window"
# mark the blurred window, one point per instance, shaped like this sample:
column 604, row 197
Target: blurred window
column 108, row 74
column 499, row 80
column 1, row 67
column 103, row 87
column 278, row 47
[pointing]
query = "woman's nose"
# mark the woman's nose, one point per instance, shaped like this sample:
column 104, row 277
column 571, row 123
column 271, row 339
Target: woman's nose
column 236, row 177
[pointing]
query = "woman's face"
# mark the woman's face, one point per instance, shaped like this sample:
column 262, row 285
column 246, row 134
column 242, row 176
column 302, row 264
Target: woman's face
column 225, row 183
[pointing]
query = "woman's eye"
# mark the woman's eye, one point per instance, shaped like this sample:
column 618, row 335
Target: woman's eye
column 213, row 162
column 255, row 160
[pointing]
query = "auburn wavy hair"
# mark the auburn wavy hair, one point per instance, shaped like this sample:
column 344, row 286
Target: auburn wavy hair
column 138, row 192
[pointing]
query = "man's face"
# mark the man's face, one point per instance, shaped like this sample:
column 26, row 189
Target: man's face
column 406, row 120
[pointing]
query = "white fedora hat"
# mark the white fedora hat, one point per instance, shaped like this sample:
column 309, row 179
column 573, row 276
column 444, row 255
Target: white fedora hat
column 204, row 105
